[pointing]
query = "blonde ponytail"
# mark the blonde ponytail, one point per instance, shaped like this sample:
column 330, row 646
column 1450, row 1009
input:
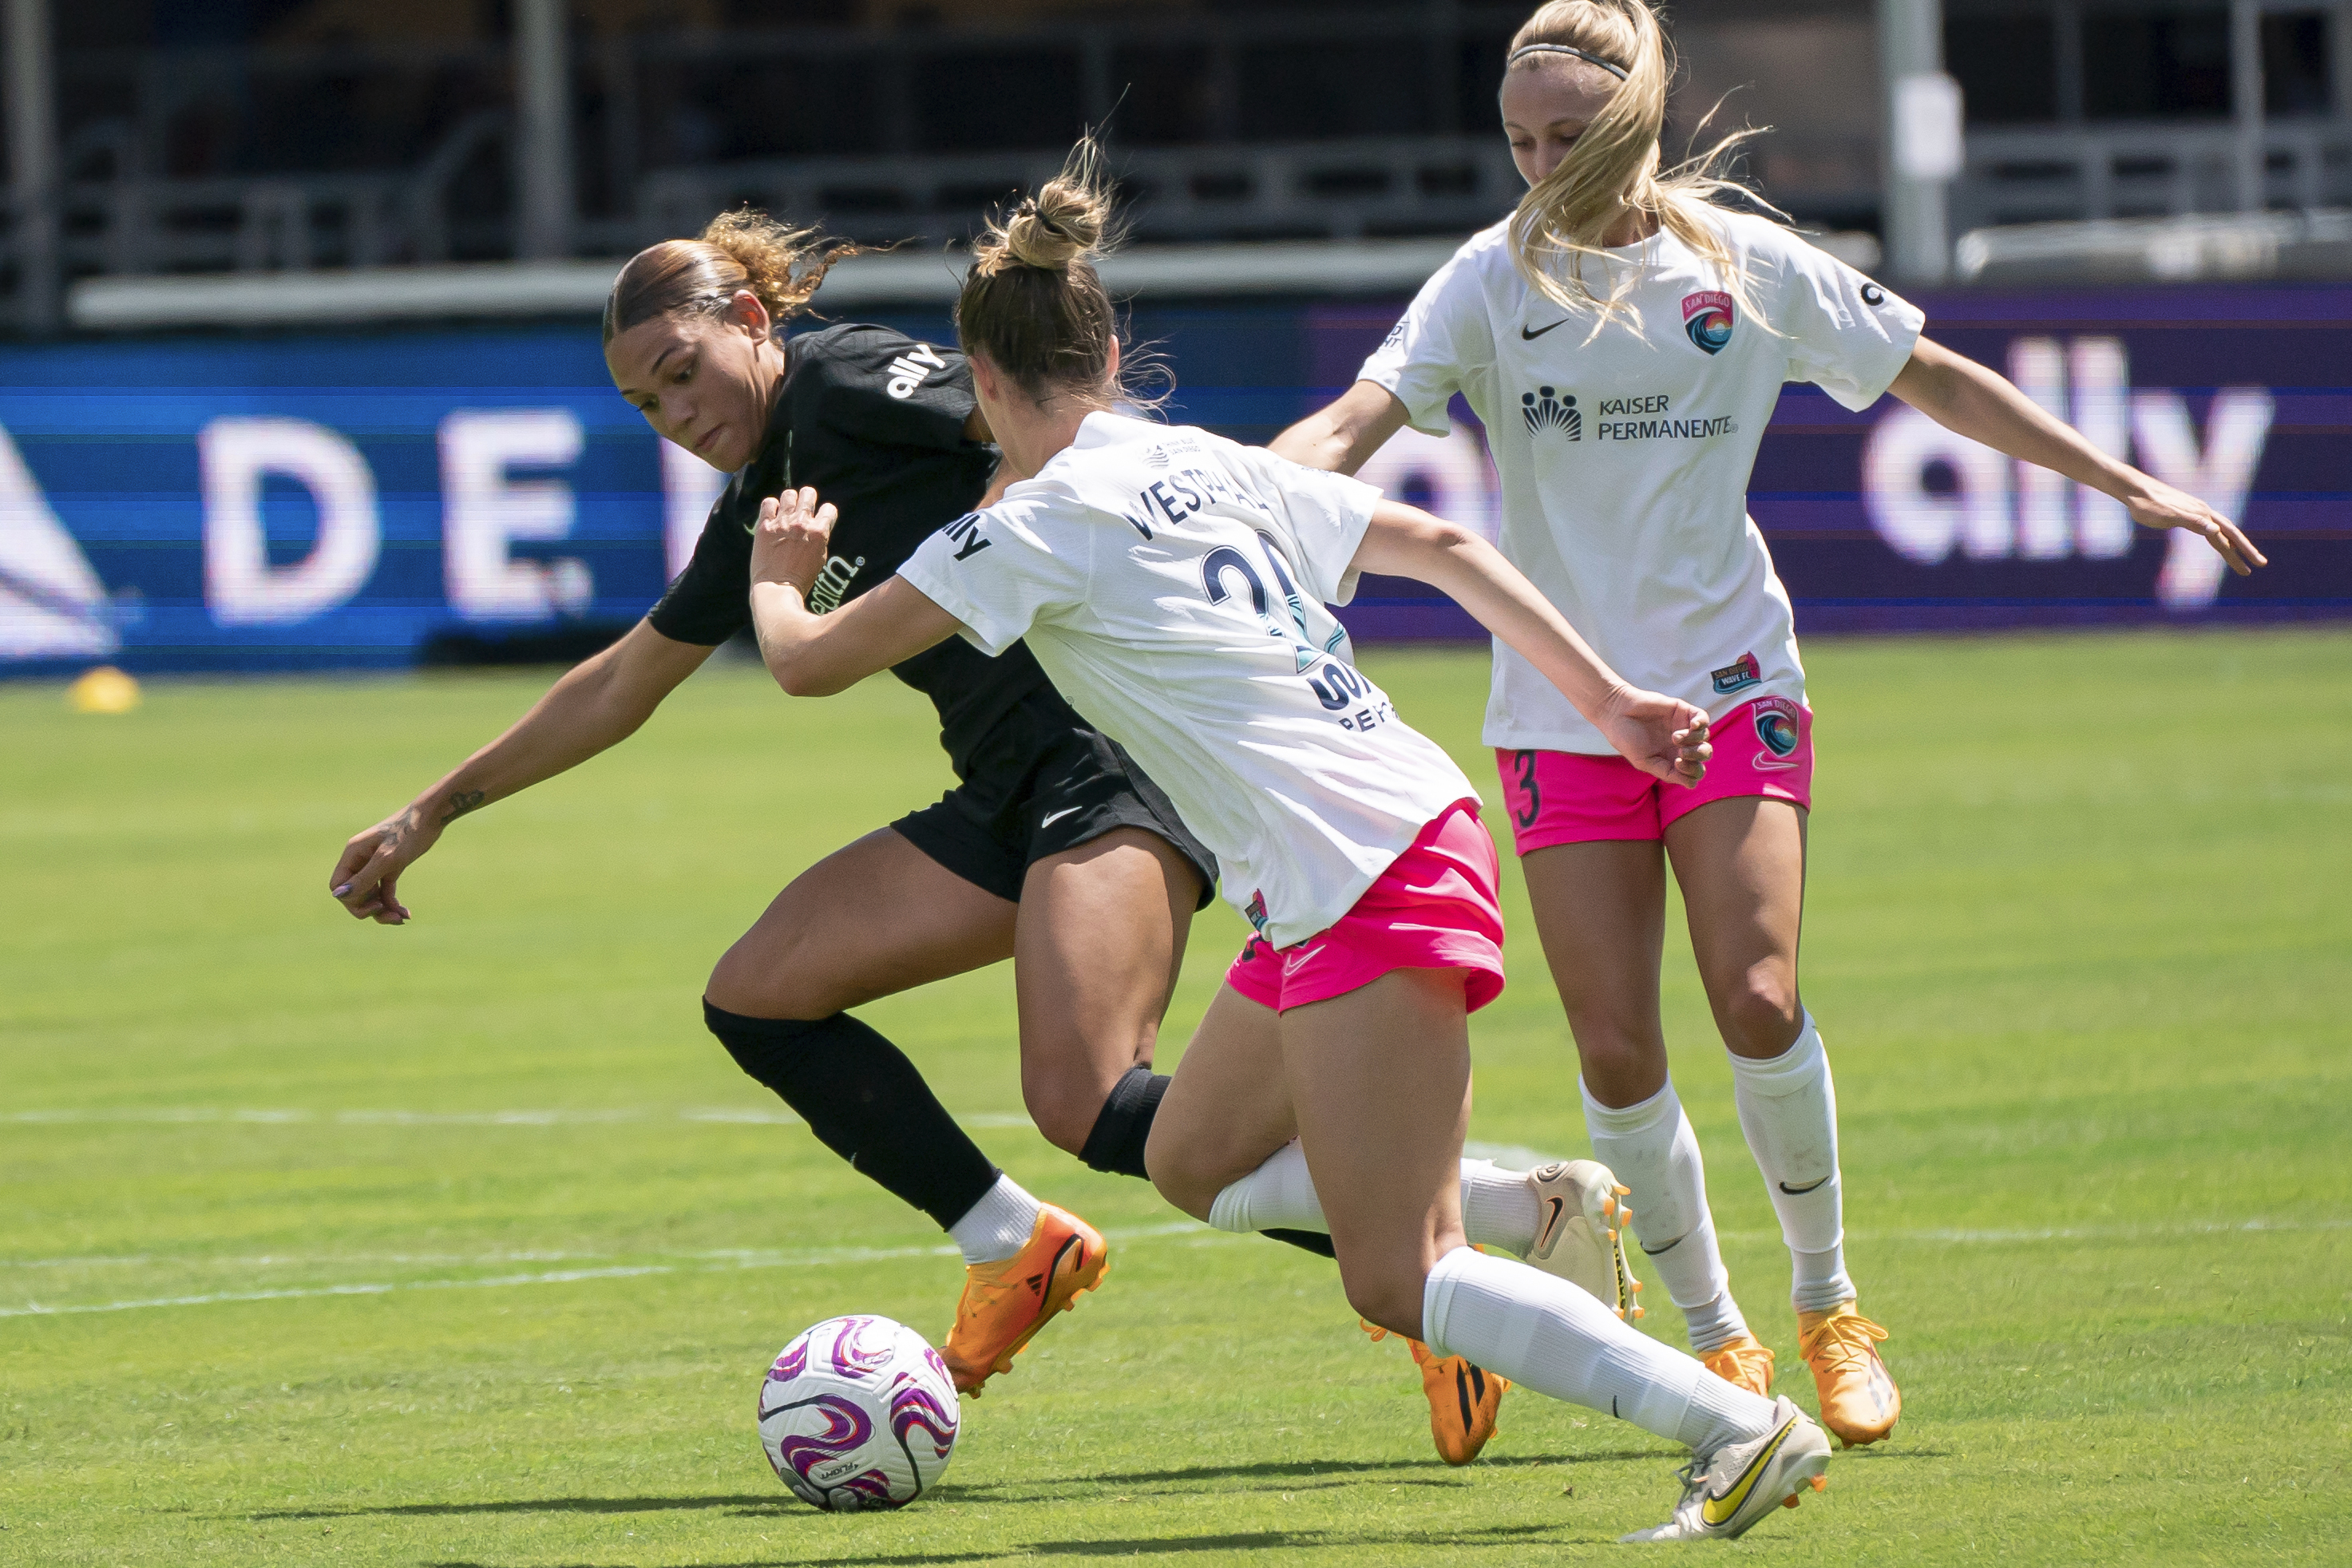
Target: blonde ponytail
column 1615, row 167
column 738, row 250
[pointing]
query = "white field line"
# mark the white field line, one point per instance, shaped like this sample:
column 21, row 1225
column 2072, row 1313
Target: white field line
column 201, row 1114
column 2103, row 1232
column 323, row 1259
column 702, row 1263
column 1194, row 1233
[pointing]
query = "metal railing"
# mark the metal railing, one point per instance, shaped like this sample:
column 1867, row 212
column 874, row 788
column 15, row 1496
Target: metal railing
column 1325, row 190
column 138, row 223
column 2047, row 173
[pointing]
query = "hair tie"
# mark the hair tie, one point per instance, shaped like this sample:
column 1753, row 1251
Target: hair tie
column 1523, row 52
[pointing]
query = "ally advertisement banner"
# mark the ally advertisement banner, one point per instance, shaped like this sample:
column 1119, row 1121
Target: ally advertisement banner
column 202, row 503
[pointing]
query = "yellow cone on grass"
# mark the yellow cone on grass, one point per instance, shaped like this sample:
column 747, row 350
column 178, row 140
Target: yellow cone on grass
column 104, row 689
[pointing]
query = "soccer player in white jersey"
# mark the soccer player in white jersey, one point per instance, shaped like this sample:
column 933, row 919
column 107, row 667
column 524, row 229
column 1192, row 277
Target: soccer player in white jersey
column 1173, row 585
column 1625, row 339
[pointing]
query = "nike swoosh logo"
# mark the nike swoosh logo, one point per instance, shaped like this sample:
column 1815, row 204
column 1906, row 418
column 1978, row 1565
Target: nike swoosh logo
column 1719, row 1508
column 1551, row 1223
column 1067, row 810
column 1799, row 1192
column 1528, row 336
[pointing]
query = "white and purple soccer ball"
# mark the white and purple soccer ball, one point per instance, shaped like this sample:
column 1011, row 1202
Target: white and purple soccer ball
column 858, row 1413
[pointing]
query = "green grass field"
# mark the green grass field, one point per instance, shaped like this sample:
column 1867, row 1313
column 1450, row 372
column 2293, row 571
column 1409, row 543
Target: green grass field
column 463, row 1245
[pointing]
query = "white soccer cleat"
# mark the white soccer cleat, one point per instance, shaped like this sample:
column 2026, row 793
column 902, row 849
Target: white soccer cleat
column 1726, row 1492
column 1580, row 1229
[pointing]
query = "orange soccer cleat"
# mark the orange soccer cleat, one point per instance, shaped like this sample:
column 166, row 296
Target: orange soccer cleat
column 1464, row 1399
column 1745, row 1363
column 1004, row 1304
column 1859, row 1400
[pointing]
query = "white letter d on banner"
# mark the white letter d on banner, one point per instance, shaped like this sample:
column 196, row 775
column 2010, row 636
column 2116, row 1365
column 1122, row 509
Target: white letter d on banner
column 241, row 587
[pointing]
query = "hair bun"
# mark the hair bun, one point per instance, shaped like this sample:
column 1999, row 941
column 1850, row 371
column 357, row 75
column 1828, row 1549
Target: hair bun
column 1067, row 221
column 1062, row 224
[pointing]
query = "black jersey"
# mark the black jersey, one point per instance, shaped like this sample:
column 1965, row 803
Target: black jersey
column 875, row 421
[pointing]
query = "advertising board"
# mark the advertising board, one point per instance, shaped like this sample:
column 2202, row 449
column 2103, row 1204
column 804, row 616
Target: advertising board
column 300, row 502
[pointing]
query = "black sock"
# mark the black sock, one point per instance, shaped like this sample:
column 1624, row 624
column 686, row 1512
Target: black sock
column 1313, row 1241
column 1116, row 1144
column 864, row 1101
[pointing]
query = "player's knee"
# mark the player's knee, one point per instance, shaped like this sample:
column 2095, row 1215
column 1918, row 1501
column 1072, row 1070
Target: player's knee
column 1385, row 1296
column 1620, row 1066
column 762, row 981
column 1065, row 1106
column 1758, row 1013
column 1185, row 1171
column 741, row 986
column 1189, row 1188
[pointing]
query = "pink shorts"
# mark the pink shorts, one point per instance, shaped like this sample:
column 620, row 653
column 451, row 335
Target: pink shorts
column 1434, row 908
column 1764, row 747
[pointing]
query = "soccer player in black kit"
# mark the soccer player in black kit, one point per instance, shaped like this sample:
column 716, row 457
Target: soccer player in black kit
column 1053, row 850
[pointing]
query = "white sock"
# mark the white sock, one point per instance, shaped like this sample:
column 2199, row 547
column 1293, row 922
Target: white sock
column 1498, row 1209
column 1654, row 1152
column 1787, row 1108
column 1715, row 1321
column 1277, row 1196
column 997, row 1227
column 1554, row 1338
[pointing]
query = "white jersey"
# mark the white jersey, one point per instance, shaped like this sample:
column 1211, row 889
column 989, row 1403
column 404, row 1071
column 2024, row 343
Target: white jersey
column 1173, row 585
column 1624, row 457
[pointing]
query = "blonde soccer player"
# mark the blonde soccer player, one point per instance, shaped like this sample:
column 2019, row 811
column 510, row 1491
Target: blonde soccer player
column 1173, row 585
column 1623, row 338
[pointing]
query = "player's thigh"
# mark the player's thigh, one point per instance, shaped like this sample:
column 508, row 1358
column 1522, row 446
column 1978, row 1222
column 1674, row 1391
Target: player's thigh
column 1740, row 863
column 1228, row 1109
column 874, row 918
column 1380, row 1081
column 1601, row 912
column 1098, row 942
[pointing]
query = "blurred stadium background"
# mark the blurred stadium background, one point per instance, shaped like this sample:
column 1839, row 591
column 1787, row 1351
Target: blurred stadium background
column 464, row 1244
column 298, row 294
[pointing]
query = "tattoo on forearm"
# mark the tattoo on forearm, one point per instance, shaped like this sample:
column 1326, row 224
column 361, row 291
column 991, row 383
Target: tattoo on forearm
column 464, row 801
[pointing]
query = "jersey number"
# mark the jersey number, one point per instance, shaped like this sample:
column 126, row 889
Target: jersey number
column 1224, row 558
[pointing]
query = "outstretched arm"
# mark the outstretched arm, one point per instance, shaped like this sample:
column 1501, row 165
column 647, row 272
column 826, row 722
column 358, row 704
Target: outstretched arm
column 598, row 703
column 1660, row 735
column 1962, row 395
column 816, row 656
column 1342, row 436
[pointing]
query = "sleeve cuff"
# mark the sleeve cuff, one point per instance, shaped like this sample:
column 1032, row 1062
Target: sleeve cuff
column 968, row 615
column 1430, row 421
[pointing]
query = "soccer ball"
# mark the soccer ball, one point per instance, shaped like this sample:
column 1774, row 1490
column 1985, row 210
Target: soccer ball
column 858, row 1413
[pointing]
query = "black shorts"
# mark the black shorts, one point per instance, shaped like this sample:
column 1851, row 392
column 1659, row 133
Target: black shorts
column 1042, row 783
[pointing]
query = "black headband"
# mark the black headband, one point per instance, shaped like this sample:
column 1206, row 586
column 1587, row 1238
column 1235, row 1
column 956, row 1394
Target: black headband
column 1519, row 53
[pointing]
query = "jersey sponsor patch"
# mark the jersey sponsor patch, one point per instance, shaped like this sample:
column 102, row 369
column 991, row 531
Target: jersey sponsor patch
column 1545, row 409
column 1255, row 910
column 909, row 369
column 1737, row 676
column 965, row 532
column 1873, row 295
column 1708, row 317
column 1778, row 728
column 826, row 593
